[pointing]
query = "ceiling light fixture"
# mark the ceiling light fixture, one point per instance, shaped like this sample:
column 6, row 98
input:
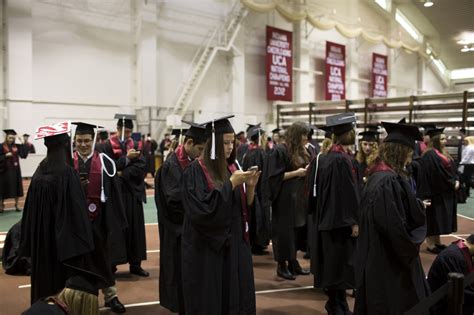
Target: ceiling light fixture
column 467, row 48
column 428, row 4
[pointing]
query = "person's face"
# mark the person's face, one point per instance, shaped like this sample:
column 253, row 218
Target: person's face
column 25, row 138
column 366, row 147
column 443, row 140
column 196, row 151
column 10, row 139
column 229, row 139
column 127, row 132
column 276, row 137
column 84, row 144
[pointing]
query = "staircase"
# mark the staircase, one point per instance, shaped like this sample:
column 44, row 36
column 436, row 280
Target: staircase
column 220, row 39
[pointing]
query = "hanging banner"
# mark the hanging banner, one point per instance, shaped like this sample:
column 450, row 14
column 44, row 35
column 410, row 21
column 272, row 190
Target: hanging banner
column 379, row 75
column 279, row 65
column 335, row 71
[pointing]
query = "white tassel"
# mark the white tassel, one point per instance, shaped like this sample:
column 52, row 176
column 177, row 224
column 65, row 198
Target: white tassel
column 123, row 128
column 213, row 146
column 102, row 193
column 316, row 175
column 103, row 197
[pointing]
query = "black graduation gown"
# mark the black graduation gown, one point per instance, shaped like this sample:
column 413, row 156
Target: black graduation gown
column 260, row 229
column 110, row 219
column 56, row 232
column 216, row 260
column 336, row 210
column 12, row 261
column 170, row 209
column 11, row 184
column 389, row 275
column 133, row 195
column 44, row 308
column 240, row 152
column 450, row 260
column 288, row 201
column 149, row 153
column 438, row 186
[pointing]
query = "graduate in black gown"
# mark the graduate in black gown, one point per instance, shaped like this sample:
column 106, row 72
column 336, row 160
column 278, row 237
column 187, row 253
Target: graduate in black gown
column 335, row 215
column 389, row 275
column 457, row 257
column 170, row 209
column 283, row 184
column 11, row 184
column 368, row 146
column 260, row 228
column 131, row 168
column 105, row 207
column 216, row 258
column 440, row 185
column 28, row 145
column 149, row 148
column 55, row 230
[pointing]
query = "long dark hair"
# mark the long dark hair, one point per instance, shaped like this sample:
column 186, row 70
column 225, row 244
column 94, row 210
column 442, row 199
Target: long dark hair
column 218, row 168
column 58, row 156
column 395, row 155
column 435, row 142
column 299, row 157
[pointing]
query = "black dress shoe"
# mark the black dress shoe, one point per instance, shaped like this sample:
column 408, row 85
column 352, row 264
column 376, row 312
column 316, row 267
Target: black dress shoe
column 137, row 270
column 283, row 272
column 441, row 246
column 115, row 305
column 295, row 268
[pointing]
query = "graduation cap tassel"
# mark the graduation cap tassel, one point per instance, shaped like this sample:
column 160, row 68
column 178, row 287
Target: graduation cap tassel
column 103, row 197
column 123, row 128
column 180, row 139
column 71, row 142
column 94, row 141
column 213, row 139
column 316, row 176
column 258, row 143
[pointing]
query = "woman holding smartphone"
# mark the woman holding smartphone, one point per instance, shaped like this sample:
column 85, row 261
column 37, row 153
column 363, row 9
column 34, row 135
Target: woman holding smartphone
column 217, row 268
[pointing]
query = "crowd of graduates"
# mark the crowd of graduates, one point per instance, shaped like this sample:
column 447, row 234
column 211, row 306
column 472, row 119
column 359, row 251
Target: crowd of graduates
column 358, row 206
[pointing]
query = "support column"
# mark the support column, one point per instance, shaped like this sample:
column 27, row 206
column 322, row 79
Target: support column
column 237, row 85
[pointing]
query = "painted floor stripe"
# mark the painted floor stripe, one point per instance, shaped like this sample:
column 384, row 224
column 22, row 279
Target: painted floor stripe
column 134, row 305
column 284, row 290
column 24, row 286
column 463, row 216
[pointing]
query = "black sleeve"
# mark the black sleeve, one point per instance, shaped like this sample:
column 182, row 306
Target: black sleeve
column 437, row 178
column 209, row 211
column 273, row 174
column 169, row 184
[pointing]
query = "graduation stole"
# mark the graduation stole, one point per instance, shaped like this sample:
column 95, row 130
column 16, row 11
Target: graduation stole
column 14, row 159
column 183, row 157
column 381, row 166
column 94, row 186
column 467, row 255
column 243, row 198
column 117, row 146
column 446, row 162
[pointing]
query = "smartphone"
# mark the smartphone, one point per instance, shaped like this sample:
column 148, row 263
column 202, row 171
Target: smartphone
column 253, row 168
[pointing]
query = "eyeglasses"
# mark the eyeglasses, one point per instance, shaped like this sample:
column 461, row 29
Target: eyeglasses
column 85, row 141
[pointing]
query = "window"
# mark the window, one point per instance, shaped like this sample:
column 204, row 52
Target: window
column 407, row 26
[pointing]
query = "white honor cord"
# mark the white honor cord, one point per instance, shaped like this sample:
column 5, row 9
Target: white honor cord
column 103, row 198
column 93, row 142
column 316, row 175
column 240, row 168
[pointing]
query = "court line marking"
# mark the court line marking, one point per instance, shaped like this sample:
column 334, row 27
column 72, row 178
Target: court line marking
column 257, row 292
column 463, row 216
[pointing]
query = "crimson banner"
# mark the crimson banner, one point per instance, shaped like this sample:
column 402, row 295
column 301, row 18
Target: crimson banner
column 335, row 71
column 379, row 75
column 279, row 64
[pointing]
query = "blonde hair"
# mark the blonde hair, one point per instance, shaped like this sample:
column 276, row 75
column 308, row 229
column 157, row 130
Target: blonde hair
column 79, row 302
column 469, row 140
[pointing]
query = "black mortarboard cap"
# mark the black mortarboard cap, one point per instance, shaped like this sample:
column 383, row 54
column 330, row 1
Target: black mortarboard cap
column 402, row 133
column 255, row 132
column 369, row 136
column 10, row 132
column 217, row 126
column 85, row 128
column 341, row 123
column 221, row 125
column 103, row 134
column 327, row 131
column 195, row 131
column 239, row 134
column 434, row 132
column 249, row 126
column 26, row 135
column 125, row 120
column 427, row 127
column 276, row 130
